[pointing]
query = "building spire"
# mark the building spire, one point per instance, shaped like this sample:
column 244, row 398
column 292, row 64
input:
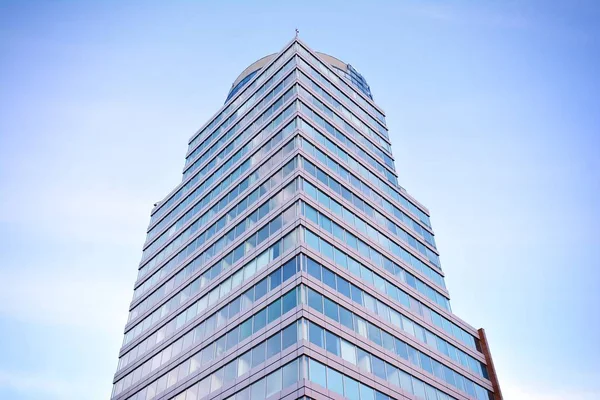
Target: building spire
column 297, row 32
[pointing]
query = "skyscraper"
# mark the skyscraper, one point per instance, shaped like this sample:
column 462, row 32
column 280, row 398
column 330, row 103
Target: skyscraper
column 289, row 263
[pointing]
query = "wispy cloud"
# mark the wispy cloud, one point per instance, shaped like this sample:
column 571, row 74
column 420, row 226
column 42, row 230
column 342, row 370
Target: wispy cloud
column 481, row 14
column 45, row 386
column 516, row 392
column 85, row 213
column 50, row 296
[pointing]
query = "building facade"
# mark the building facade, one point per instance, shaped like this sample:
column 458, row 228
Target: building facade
column 290, row 264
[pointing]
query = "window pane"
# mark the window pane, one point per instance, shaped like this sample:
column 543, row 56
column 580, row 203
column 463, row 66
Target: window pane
column 289, row 336
column 274, row 310
column 244, row 363
column 419, row 389
column 425, row 362
column 401, row 349
column 290, row 374
column 289, row 301
column 260, row 320
column 329, row 278
column 378, row 367
column 315, row 335
column 405, row 381
column 335, row 381
column 348, row 352
column 313, row 269
column 331, row 309
column 346, row 318
column 413, row 356
column 332, row 343
column 274, row 383
column 258, row 354
column 258, row 390
column 343, row 286
column 246, row 329
column 315, row 300
column 351, row 390
column 317, row 372
column 364, row 360
column 260, row 289
column 366, row 393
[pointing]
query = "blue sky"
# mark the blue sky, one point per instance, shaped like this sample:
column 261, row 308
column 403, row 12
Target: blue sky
column 494, row 114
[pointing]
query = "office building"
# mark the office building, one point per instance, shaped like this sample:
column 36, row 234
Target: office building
column 289, row 263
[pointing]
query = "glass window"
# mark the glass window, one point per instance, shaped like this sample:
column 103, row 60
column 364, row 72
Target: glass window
column 275, row 279
column 351, row 390
column 315, row 300
column 325, row 222
column 407, row 325
column 419, row 389
column 313, row 268
column 351, row 240
column 258, row 390
column 431, row 393
column 348, row 352
column 378, row 367
column 230, row 372
column 317, row 373
column 192, row 393
column 405, row 381
column 289, row 336
column 438, row 370
column 289, row 301
column 311, row 214
column 346, row 318
column 310, row 189
column 246, row 329
column 370, row 303
column 326, row 250
column 260, row 289
column 338, row 231
column 356, row 294
column 274, row 310
column 244, row 363
column 273, row 345
column 234, row 307
column 290, row 374
column 392, row 374
column 364, row 360
column 329, row 278
column 374, row 334
column 425, row 362
column 335, row 381
column 343, row 286
column 332, row 343
column 204, row 387
column 366, row 393
column 387, row 341
column 361, row 326
column 289, row 269
column 260, row 320
column 315, row 335
column 258, row 354
column 413, row 356
column 401, row 349
column 274, row 383
column 331, row 309
column 312, row 240
column 208, row 354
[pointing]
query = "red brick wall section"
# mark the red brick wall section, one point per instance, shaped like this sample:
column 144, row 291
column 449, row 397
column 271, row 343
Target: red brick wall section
column 485, row 349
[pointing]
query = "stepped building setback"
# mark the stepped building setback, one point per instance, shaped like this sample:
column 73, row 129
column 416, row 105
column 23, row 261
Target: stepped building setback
column 290, row 264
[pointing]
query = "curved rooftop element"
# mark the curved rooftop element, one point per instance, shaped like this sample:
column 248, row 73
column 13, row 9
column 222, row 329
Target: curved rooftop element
column 345, row 70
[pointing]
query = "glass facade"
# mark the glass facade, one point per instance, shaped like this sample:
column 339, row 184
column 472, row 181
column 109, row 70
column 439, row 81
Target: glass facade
column 289, row 263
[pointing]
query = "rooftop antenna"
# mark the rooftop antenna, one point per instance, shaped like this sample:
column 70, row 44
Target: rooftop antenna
column 297, row 32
